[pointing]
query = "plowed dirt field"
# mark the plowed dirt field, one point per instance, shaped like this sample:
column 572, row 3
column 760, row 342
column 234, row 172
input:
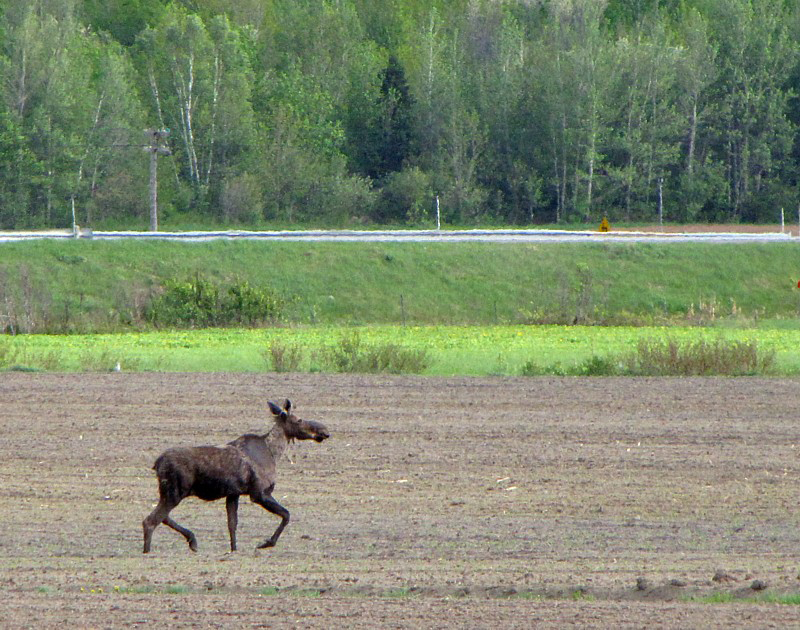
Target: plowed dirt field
column 436, row 503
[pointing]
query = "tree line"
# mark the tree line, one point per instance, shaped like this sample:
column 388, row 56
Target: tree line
column 332, row 112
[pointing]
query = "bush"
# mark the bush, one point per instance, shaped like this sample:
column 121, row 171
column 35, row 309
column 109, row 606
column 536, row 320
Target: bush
column 199, row 303
column 193, row 303
column 351, row 355
column 249, row 306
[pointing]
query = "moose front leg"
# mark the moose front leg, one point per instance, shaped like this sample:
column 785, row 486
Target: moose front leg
column 232, row 505
column 271, row 505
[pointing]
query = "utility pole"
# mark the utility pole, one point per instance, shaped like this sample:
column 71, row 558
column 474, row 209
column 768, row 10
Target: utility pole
column 155, row 139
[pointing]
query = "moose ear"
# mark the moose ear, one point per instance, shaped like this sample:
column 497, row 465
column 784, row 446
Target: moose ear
column 276, row 411
column 287, row 405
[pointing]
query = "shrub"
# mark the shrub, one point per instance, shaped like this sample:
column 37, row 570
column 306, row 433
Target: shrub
column 249, row 305
column 199, row 303
column 193, row 303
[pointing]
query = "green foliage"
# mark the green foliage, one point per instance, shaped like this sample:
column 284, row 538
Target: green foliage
column 200, row 303
column 515, row 112
column 123, row 19
column 599, row 366
column 246, row 305
column 406, row 196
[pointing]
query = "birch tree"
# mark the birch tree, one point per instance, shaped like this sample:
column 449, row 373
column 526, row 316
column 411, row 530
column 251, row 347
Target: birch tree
column 200, row 85
column 576, row 84
column 756, row 53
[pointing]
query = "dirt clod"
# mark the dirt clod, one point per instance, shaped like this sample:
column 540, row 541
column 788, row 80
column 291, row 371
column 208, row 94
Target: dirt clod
column 723, row 577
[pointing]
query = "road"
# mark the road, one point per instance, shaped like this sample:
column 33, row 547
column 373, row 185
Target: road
column 493, row 236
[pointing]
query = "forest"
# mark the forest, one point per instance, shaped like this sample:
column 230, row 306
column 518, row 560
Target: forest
column 358, row 112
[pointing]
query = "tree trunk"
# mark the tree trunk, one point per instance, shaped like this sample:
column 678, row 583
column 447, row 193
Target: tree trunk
column 213, row 125
column 692, row 137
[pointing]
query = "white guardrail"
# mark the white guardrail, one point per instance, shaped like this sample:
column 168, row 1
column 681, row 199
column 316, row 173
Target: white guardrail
column 501, row 235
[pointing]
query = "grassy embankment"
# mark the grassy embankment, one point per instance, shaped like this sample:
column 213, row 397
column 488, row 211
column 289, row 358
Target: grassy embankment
column 427, row 293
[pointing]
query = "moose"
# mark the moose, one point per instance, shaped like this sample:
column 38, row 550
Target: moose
column 244, row 466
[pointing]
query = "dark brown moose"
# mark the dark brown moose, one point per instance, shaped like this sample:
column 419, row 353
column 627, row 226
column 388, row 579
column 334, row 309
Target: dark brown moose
column 244, row 466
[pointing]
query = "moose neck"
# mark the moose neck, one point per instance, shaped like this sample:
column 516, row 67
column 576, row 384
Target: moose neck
column 277, row 442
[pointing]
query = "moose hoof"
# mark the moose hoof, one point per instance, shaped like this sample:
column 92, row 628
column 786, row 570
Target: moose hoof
column 266, row 544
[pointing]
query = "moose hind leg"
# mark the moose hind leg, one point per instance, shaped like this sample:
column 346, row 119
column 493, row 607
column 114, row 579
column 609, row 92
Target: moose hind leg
column 271, row 505
column 186, row 533
column 232, row 506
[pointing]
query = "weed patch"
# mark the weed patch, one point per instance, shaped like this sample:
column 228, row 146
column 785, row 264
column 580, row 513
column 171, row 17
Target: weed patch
column 176, row 589
column 700, row 358
column 785, row 599
column 723, row 597
column 283, row 357
column 399, row 592
column 107, row 361
column 19, row 359
column 670, row 358
column 351, row 354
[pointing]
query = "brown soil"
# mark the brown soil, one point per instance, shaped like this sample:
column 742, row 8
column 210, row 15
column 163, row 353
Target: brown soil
column 437, row 503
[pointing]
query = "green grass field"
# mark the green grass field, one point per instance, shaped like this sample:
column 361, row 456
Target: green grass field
column 451, row 350
column 100, row 286
column 464, row 308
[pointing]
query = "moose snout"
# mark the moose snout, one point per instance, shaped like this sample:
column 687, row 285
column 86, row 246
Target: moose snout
column 322, row 434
